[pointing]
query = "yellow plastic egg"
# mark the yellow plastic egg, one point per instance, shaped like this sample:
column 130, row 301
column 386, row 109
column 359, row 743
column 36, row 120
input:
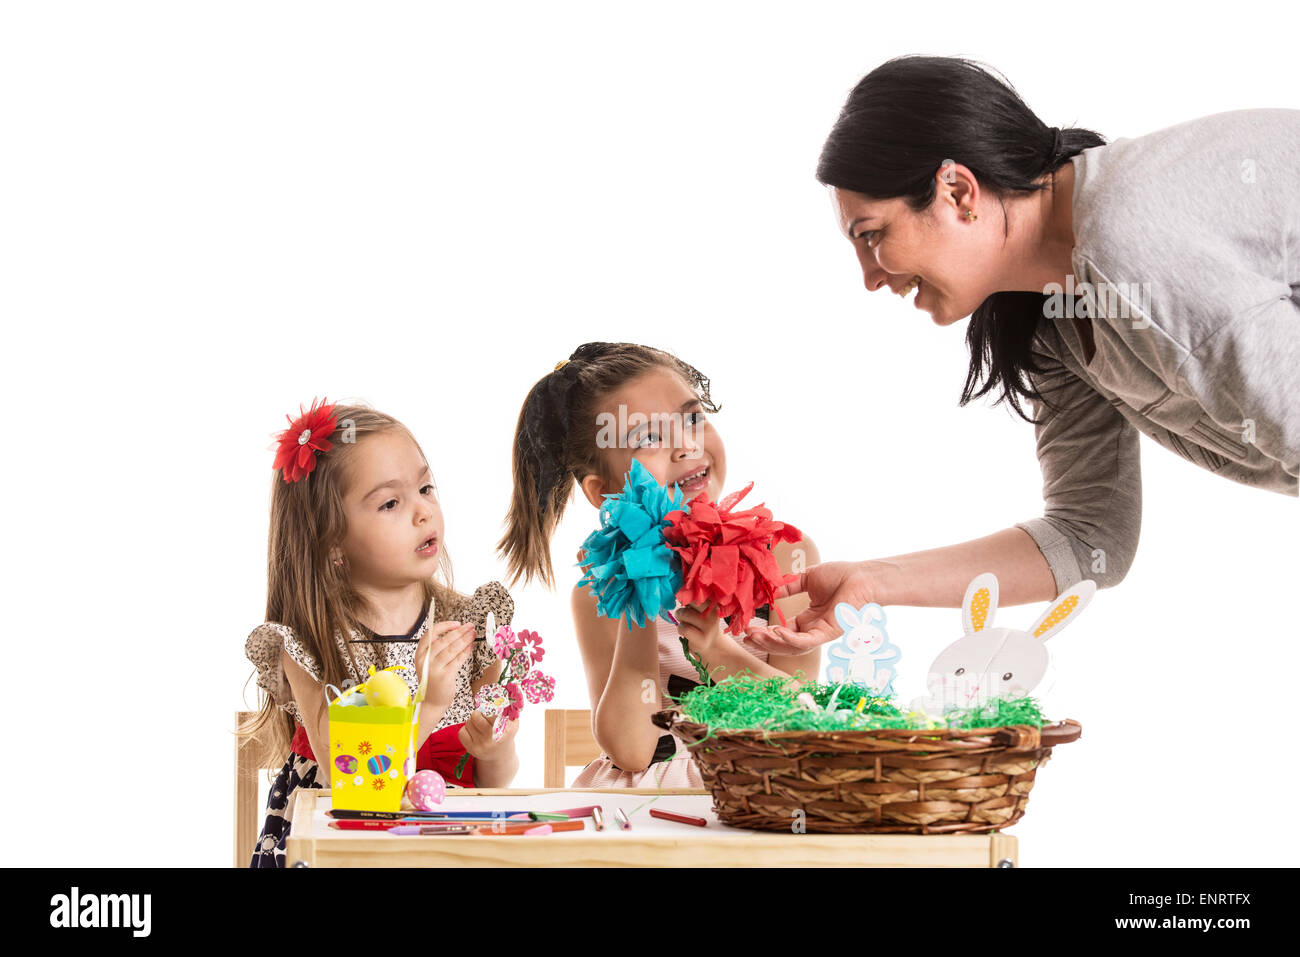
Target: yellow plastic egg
column 386, row 690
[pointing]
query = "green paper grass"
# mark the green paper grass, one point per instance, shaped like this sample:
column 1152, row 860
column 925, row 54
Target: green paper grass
column 748, row 703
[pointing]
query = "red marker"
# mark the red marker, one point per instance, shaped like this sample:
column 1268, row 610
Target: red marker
column 679, row 818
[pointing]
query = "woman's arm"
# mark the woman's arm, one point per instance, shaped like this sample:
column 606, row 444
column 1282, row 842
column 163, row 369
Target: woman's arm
column 934, row 578
column 622, row 668
column 1092, row 484
column 1092, row 493
column 309, row 696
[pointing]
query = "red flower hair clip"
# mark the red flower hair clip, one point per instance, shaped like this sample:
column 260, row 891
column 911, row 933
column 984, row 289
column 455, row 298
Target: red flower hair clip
column 296, row 446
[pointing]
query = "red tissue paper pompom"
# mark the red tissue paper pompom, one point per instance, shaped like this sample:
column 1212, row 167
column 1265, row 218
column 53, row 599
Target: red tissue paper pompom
column 296, row 446
column 727, row 556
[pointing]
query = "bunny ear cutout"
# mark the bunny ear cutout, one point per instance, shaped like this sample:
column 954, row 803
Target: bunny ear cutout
column 847, row 616
column 980, row 604
column 1064, row 610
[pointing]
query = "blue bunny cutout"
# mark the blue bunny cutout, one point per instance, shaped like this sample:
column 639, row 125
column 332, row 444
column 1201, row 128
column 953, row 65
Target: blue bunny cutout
column 874, row 667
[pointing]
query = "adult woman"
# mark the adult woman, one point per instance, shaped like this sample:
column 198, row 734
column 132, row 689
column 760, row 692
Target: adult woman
column 1143, row 285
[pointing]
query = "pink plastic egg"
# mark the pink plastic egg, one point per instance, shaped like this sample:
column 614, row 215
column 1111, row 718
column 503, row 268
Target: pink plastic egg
column 426, row 790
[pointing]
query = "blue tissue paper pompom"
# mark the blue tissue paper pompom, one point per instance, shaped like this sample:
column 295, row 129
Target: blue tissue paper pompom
column 632, row 573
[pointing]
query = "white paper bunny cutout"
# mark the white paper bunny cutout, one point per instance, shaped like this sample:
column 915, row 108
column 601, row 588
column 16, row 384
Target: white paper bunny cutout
column 988, row 662
column 863, row 655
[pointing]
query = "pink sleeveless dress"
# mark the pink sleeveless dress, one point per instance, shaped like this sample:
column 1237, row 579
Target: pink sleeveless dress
column 672, row 766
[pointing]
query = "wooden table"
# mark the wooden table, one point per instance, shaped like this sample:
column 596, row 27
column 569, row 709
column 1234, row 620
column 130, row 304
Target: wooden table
column 649, row 843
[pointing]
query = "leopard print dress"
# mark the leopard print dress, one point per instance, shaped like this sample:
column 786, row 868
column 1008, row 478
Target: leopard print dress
column 269, row 640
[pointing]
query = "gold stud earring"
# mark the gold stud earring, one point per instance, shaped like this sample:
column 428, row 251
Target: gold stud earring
column 970, row 216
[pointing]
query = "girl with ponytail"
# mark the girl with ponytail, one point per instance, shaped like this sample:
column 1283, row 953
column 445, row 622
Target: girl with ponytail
column 580, row 427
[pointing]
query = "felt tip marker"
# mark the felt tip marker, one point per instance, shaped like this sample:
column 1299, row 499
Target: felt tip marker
column 679, row 818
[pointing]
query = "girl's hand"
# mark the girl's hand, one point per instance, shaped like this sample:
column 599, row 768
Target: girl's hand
column 701, row 627
column 476, row 737
column 443, row 649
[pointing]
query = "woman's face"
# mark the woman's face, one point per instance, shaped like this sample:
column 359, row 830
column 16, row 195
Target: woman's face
column 658, row 420
column 939, row 246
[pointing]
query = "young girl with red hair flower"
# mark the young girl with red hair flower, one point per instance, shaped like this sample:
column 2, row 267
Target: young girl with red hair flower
column 358, row 575
column 583, row 424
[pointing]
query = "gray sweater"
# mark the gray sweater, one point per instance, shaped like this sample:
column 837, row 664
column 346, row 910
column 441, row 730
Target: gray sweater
column 1189, row 241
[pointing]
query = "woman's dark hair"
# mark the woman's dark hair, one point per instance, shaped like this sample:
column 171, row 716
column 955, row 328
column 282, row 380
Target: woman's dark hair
column 556, row 442
column 900, row 123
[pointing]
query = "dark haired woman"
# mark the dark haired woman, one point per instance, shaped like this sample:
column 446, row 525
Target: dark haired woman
column 1147, row 285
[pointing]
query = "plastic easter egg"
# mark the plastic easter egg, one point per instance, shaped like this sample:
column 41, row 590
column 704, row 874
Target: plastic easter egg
column 346, row 763
column 378, row 764
column 426, row 790
column 387, row 690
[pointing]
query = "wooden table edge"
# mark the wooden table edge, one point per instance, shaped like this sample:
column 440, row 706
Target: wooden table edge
column 976, row 850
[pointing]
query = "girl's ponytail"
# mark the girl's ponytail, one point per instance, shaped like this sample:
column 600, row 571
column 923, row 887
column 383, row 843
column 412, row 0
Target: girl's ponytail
column 543, row 475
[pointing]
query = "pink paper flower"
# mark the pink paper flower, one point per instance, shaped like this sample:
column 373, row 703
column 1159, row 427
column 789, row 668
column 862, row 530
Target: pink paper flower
column 502, row 702
column 491, row 699
column 504, row 641
column 512, row 710
column 520, row 663
column 531, row 642
column 538, row 687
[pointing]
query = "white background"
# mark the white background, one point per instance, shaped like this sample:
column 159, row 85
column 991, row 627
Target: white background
column 211, row 213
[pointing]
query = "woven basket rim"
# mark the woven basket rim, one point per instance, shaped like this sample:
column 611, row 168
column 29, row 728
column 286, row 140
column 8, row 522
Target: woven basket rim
column 1060, row 732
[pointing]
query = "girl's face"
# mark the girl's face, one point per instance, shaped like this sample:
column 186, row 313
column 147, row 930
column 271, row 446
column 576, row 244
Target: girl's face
column 939, row 246
column 658, row 420
column 394, row 522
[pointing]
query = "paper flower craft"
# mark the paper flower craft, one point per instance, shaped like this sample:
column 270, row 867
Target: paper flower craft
column 520, row 680
column 726, row 556
column 630, row 568
column 296, row 446
column 651, row 555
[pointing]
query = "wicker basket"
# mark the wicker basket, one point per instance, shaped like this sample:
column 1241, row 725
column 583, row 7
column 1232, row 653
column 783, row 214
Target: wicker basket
column 883, row 782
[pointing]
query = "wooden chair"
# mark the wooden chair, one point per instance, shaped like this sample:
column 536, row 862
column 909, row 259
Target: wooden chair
column 252, row 755
column 569, row 743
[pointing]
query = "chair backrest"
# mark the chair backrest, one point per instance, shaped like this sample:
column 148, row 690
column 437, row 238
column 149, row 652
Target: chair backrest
column 252, row 754
column 568, row 742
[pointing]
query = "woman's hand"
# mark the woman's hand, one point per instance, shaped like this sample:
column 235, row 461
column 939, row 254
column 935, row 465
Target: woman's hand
column 701, row 627
column 827, row 585
column 442, row 651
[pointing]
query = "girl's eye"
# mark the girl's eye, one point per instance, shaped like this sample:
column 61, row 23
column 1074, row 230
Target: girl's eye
column 872, row 236
column 694, row 418
column 428, row 489
column 389, row 505
column 647, row 441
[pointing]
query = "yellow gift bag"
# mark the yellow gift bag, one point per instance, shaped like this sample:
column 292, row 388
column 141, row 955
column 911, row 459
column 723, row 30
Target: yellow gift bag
column 372, row 752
